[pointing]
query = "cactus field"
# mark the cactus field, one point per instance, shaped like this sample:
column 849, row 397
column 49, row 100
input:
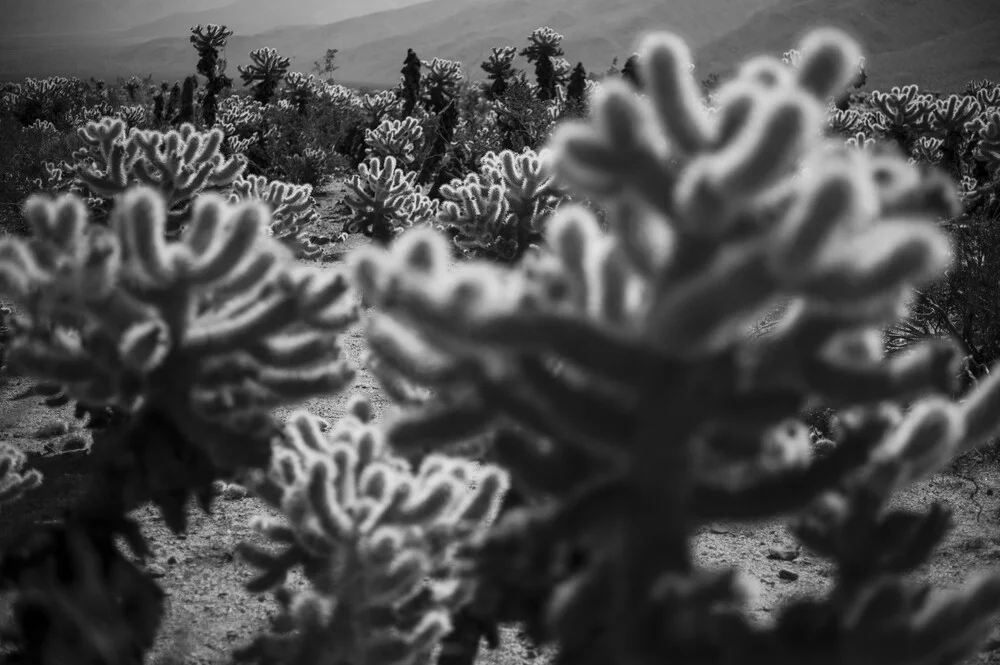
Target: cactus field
column 544, row 366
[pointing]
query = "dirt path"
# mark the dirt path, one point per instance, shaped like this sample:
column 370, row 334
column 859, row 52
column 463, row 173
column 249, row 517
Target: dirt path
column 209, row 612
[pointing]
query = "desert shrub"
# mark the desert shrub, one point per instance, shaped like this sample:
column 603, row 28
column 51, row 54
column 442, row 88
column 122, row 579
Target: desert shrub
column 23, row 154
column 302, row 148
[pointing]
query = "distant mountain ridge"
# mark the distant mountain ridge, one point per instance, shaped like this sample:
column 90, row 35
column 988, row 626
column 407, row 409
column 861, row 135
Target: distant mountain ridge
column 61, row 17
column 936, row 43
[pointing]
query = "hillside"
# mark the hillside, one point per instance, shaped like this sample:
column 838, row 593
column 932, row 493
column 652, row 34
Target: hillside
column 250, row 17
column 938, row 44
column 372, row 47
column 78, row 17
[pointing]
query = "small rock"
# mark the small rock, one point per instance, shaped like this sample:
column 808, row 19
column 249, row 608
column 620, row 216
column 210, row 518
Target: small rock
column 172, row 560
column 717, row 528
column 156, row 571
column 52, row 429
column 783, row 553
column 74, row 442
column 235, row 492
column 786, row 574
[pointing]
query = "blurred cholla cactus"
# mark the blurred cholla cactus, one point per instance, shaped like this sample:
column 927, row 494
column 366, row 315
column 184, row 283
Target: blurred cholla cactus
column 14, row 480
column 179, row 163
column 264, row 73
column 795, row 57
column 197, row 339
column 861, row 141
column 501, row 211
column 395, row 138
column 376, row 542
column 292, row 208
column 617, row 368
column 384, row 200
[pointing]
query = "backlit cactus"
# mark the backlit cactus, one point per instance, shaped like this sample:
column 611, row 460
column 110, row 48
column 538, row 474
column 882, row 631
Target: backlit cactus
column 264, row 73
column 383, row 199
column 375, row 539
column 210, row 331
column 180, row 164
column 618, row 366
column 14, row 479
column 500, row 211
column 398, row 139
column 292, row 210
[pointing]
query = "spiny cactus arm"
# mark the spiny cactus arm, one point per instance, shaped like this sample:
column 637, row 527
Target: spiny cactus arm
column 367, row 531
column 14, row 480
column 214, row 329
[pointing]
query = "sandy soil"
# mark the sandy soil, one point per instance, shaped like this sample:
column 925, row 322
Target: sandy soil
column 209, row 612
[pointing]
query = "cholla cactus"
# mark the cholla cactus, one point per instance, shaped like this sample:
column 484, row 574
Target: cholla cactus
column 180, row 164
column 618, row 370
column 441, row 83
column 989, row 95
column 375, row 540
column 499, row 68
column 395, row 138
column 133, row 116
column 903, row 115
column 379, row 104
column 953, row 121
column 264, row 73
column 206, row 333
column 241, row 118
column 845, row 123
column 988, row 147
column 500, row 212
column 14, row 480
column 383, row 198
column 543, row 49
column 292, row 208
